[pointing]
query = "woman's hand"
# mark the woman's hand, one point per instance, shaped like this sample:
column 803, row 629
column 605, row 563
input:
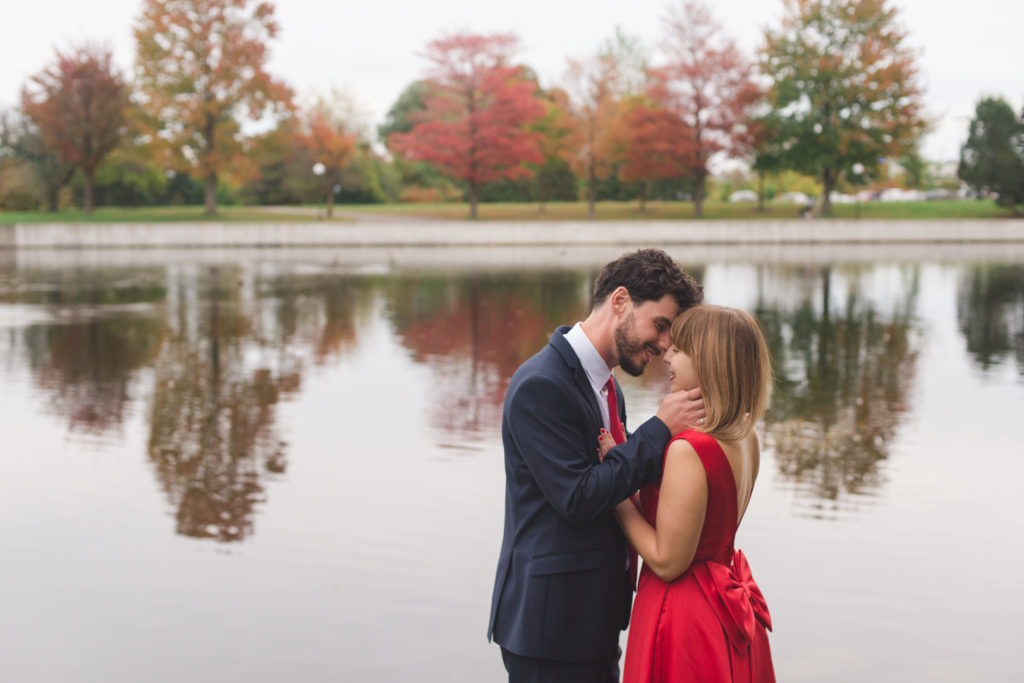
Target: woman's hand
column 605, row 442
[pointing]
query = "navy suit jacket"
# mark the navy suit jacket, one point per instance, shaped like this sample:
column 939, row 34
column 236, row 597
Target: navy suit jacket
column 562, row 589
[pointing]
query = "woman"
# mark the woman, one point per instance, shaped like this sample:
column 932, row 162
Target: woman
column 698, row 615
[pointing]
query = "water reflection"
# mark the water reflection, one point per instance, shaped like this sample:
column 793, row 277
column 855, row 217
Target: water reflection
column 227, row 344
column 88, row 367
column 990, row 313
column 844, row 368
column 475, row 330
column 101, row 333
column 213, row 436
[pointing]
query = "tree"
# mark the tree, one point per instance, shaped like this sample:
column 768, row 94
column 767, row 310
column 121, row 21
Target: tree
column 24, row 143
column 762, row 147
column 992, row 159
column 417, row 177
column 659, row 145
column 78, row 104
column 474, row 127
column 201, row 66
column 844, row 90
column 707, row 83
column 554, row 179
column 594, row 97
column 330, row 146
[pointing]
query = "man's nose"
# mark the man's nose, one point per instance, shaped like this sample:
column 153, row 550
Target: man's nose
column 664, row 340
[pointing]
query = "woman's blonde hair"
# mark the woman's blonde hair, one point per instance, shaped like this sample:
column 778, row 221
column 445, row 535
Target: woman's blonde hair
column 732, row 364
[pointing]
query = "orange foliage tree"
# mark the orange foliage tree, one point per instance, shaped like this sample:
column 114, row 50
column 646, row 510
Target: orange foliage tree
column 328, row 144
column 594, row 104
column 707, row 83
column 200, row 65
column 475, row 124
column 78, row 104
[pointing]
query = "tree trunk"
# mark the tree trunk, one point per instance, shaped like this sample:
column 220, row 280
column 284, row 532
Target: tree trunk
column 52, row 197
column 211, row 193
column 643, row 197
column 828, row 183
column 760, row 191
column 209, row 135
column 591, row 190
column 472, row 200
column 87, row 193
column 330, row 198
column 698, row 197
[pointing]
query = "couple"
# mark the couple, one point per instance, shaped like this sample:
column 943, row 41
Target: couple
column 566, row 573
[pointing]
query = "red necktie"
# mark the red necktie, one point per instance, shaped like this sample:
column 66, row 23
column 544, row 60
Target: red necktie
column 619, row 434
column 615, row 426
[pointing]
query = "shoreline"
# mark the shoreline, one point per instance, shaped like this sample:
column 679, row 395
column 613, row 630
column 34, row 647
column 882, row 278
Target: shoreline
column 441, row 233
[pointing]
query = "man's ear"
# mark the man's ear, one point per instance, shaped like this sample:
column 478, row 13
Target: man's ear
column 620, row 300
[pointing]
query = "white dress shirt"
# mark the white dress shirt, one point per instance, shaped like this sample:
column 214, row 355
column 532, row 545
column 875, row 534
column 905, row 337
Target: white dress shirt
column 597, row 370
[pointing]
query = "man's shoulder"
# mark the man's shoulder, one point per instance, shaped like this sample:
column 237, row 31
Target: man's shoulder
column 549, row 364
column 545, row 363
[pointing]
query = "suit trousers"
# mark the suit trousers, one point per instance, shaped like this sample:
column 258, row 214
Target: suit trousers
column 533, row 670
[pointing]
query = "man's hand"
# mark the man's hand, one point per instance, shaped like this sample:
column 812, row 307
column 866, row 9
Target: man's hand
column 682, row 410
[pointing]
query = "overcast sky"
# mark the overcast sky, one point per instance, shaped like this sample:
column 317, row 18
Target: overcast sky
column 370, row 49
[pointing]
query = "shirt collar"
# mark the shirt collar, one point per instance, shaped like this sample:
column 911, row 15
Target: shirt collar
column 597, row 371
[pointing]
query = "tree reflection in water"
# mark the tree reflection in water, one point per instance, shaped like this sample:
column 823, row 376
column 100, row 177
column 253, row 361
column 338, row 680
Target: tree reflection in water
column 88, row 359
column 475, row 330
column 213, row 436
column 844, row 369
column 990, row 312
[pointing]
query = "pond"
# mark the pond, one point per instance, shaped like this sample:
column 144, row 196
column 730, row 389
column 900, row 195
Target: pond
column 268, row 465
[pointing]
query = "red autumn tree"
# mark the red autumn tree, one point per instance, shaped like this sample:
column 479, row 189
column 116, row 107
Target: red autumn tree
column 707, row 83
column 329, row 144
column 474, row 127
column 200, row 66
column 658, row 145
column 78, row 104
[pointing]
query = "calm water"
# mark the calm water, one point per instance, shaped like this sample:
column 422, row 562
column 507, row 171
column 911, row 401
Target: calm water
column 281, row 465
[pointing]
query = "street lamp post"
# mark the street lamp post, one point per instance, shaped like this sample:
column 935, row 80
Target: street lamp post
column 318, row 170
column 857, row 179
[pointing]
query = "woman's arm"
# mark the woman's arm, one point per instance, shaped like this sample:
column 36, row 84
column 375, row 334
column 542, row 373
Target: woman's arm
column 682, row 504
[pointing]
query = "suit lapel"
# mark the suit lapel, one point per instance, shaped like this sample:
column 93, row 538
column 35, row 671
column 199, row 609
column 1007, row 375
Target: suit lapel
column 579, row 375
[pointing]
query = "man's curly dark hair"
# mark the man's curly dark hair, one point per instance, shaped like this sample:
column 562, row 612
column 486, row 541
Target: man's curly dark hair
column 648, row 275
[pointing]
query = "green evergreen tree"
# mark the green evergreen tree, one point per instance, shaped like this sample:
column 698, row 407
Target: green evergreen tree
column 992, row 159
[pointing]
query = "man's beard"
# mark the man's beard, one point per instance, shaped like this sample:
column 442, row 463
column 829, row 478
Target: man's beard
column 629, row 348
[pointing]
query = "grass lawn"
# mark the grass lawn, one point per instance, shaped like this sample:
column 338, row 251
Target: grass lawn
column 928, row 210
column 554, row 211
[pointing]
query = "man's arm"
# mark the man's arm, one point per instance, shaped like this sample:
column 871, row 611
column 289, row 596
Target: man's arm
column 549, row 428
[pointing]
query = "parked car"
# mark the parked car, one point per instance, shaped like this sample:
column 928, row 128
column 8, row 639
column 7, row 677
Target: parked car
column 743, row 196
column 898, row 194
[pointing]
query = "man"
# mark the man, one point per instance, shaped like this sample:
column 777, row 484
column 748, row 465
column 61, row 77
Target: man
column 562, row 591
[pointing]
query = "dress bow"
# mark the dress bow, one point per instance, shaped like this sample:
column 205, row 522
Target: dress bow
column 735, row 598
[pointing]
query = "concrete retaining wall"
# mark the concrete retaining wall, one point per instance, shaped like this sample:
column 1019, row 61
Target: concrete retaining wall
column 452, row 233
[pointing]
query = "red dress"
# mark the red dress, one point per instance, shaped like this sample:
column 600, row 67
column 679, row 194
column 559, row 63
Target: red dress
column 710, row 623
